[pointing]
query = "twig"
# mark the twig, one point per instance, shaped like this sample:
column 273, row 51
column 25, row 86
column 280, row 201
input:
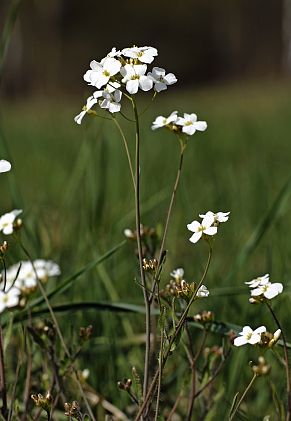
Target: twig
column 242, row 397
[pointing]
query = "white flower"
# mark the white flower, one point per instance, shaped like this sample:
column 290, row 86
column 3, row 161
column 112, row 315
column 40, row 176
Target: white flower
column 114, row 53
column 7, row 221
column 100, row 73
column 160, row 79
column 190, row 124
column 268, row 290
column 261, row 280
column 202, row 292
column 218, row 217
column 204, row 228
column 22, row 274
column 9, row 299
column 177, row 274
column 249, row 336
column 134, row 77
column 4, row 165
column 92, row 100
column 143, row 54
column 161, row 121
column 128, row 233
column 111, row 101
column 85, row 373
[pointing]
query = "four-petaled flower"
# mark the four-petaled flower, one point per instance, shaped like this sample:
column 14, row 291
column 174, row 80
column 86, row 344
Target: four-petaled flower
column 160, row 79
column 134, row 78
column 143, row 54
column 161, row 121
column 9, row 299
column 100, row 73
column 202, row 292
column 7, row 221
column 206, row 227
column 218, row 217
column 4, row 165
column 267, row 290
column 249, row 336
column 190, row 124
column 111, row 101
column 261, row 280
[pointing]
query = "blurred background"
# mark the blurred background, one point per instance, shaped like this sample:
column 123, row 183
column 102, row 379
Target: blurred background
column 232, row 60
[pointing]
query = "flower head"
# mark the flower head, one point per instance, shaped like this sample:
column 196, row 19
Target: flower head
column 161, row 79
column 218, row 217
column 165, row 121
column 190, row 124
column 4, row 165
column 206, row 227
column 202, row 292
column 9, row 299
column 261, row 280
column 111, row 101
column 142, row 54
column 134, row 78
column 7, row 221
column 249, row 336
column 267, row 290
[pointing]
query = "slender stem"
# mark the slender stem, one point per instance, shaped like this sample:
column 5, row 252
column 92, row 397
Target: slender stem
column 176, row 184
column 242, row 397
column 140, row 257
column 160, row 374
column 42, row 290
column 173, row 337
column 286, row 361
column 126, row 150
column 3, row 391
column 177, row 401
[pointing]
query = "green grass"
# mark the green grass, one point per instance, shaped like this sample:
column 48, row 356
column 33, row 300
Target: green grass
column 74, row 186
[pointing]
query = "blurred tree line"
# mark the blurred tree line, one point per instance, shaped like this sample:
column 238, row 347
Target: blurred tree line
column 201, row 41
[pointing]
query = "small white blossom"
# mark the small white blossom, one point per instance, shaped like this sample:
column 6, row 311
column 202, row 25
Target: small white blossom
column 85, row 373
column 7, row 220
column 202, row 292
column 143, row 54
column 218, row 217
column 134, row 78
column 161, row 121
column 9, row 299
column 114, row 53
column 204, row 228
column 111, row 101
column 128, row 233
column 249, row 336
column 261, row 280
column 92, row 100
column 160, row 79
column 177, row 274
column 268, row 290
column 190, row 124
column 22, row 274
column 4, row 165
column 100, row 73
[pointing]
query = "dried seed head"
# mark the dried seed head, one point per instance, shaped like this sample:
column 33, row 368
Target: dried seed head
column 262, row 368
column 3, row 247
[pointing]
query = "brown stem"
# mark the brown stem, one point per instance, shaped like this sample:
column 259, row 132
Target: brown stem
column 286, row 361
column 175, row 406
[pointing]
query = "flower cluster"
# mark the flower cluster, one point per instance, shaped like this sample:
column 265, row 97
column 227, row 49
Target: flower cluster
column 178, row 287
column 123, row 72
column 262, row 288
column 258, row 336
column 21, row 280
column 187, row 124
column 208, row 226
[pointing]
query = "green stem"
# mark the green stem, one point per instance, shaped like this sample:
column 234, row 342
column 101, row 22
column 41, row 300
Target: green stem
column 286, row 361
column 174, row 336
column 3, row 391
column 140, row 257
column 126, row 150
column 242, row 397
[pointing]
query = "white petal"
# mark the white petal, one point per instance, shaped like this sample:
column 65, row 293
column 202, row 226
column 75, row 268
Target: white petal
column 78, row 119
column 195, row 237
column 201, row 125
column 114, row 107
column 207, row 220
column 211, row 231
column 170, row 79
column 190, row 130
column 4, row 165
column 194, row 226
column 160, row 86
column 145, row 83
column 260, row 329
column 132, row 86
column 239, row 341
